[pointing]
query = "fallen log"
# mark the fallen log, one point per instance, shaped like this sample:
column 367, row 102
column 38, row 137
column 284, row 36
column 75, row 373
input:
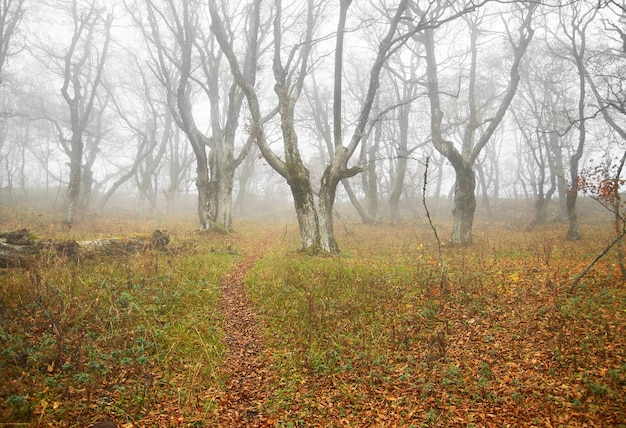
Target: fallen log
column 19, row 247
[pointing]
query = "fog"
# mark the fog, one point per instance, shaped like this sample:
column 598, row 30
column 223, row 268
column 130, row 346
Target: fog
column 312, row 111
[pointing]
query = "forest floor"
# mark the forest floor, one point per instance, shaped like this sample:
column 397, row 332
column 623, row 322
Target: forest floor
column 247, row 363
column 243, row 330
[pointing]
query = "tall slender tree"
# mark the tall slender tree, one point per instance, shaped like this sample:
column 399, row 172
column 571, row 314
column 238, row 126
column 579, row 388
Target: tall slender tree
column 574, row 26
column 82, row 66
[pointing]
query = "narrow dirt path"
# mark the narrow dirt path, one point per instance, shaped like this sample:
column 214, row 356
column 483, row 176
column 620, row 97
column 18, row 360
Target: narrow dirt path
column 247, row 367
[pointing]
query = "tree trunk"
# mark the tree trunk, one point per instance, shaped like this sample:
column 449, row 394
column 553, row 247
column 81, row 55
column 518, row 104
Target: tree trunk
column 80, row 96
column 73, row 187
column 327, row 232
column 206, row 205
column 464, row 206
column 245, row 172
column 484, row 192
column 306, row 214
column 438, row 184
column 557, row 170
column 86, row 188
column 573, row 233
column 464, row 197
column 356, row 203
column 402, row 159
column 543, row 199
column 328, row 188
column 223, row 216
column 541, row 212
column 370, row 178
column 578, row 40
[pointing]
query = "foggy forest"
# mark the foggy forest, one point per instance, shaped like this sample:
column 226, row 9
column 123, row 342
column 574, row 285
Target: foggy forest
column 312, row 213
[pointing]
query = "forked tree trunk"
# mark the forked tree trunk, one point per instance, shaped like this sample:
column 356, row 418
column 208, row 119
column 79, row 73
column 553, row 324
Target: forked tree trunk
column 80, row 95
column 578, row 40
column 288, row 86
column 462, row 161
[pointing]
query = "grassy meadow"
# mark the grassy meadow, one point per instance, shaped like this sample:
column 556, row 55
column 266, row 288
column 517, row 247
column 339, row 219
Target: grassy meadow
column 365, row 338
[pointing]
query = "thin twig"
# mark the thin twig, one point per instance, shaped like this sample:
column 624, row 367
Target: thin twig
column 442, row 266
column 595, row 260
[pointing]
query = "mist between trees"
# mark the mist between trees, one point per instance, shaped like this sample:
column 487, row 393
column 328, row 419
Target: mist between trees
column 310, row 103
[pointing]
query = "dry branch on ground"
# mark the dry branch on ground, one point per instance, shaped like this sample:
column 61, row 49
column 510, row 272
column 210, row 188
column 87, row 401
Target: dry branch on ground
column 19, row 247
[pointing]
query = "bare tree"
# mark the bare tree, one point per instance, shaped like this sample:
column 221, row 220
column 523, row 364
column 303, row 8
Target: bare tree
column 406, row 88
column 82, row 67
column 188, row 64
column 473, row 141
column 574, row 28
column 315, row 223
column 320, row 106
column 539, row 117
column 604, row 72
column 179, row 162
column 11, row 14
column 145, row 115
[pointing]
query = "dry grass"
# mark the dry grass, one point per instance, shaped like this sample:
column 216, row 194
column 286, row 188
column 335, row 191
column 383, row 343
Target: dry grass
column 362, row 338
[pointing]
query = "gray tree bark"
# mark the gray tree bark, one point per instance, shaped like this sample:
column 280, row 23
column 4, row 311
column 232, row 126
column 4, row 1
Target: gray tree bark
column 462, row 161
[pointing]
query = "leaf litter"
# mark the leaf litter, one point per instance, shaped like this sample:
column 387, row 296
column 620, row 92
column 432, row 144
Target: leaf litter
column 361, row 339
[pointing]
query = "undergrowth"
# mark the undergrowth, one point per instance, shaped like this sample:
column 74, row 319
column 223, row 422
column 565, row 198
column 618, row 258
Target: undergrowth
column 367, row 337
column 124, row 337
column 357, row 339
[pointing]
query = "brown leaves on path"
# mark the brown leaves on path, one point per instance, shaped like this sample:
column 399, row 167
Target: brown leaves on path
column 247, row 370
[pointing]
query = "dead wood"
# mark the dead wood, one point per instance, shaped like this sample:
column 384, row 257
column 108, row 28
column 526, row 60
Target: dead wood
column 18, row 248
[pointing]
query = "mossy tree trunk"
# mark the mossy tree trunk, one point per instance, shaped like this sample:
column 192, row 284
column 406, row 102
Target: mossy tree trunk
column 464, row 206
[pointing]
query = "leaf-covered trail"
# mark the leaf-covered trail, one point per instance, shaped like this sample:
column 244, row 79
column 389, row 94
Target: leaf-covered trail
column 247, row 366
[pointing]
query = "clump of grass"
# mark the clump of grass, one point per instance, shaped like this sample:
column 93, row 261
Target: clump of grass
column 331, row 308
